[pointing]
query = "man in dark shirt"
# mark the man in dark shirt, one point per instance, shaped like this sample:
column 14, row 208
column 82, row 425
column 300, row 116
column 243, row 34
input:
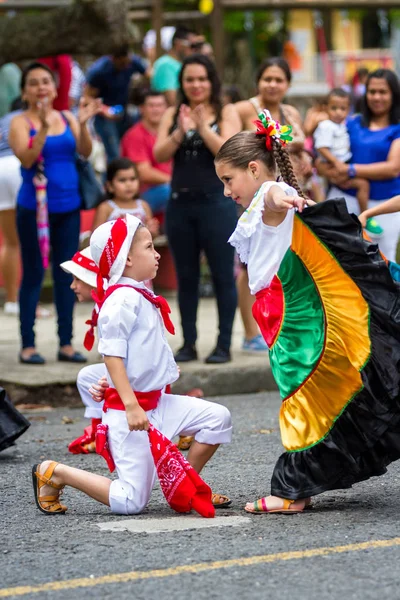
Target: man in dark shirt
column 109, row 78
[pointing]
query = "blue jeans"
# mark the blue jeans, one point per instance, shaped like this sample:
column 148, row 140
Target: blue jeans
column 111, row 133
column 157, row 197
column 197, row 221
column 64, row 242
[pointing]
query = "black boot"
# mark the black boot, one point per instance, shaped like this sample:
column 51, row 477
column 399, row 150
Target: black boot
column 218, row 356
column 186, row 353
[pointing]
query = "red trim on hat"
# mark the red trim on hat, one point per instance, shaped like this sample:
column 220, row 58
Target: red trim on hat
column 85, row 262
column 118, row 234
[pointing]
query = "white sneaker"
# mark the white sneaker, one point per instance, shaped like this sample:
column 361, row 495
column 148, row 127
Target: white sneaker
column 11, row 308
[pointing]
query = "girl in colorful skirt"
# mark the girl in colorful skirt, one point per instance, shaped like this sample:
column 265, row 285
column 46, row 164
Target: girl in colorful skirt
column 329, row 311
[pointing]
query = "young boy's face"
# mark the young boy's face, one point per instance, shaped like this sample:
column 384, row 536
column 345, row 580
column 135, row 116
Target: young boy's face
column 142, row 263
column 338, row 108
column 82, row 290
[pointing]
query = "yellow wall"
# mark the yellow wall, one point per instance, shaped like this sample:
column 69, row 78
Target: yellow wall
column 301, row 49
column 302, row 20
column 345, row 35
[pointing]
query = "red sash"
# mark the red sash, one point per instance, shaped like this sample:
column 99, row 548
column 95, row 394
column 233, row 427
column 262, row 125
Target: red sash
column 146, row 400
column 158, row 301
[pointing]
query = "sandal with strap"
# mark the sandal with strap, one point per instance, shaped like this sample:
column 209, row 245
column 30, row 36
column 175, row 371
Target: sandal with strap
column 185, row 441
column 49, row 505
column 260, row 507
column 216, row 500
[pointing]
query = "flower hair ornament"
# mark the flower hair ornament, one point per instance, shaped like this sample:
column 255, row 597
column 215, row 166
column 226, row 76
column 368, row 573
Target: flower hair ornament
column 272, row 130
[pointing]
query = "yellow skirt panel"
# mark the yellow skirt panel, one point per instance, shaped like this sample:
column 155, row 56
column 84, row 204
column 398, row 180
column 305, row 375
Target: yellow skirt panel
column 310, row 412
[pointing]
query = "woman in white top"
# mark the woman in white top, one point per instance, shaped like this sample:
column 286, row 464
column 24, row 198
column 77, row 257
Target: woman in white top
column 10, row 182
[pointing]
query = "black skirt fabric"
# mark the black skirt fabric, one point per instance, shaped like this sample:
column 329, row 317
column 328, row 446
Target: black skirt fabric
column 365, row 437
column 12, row 423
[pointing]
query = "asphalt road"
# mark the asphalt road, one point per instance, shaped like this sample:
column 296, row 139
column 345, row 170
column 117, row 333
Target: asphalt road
column 348, row 546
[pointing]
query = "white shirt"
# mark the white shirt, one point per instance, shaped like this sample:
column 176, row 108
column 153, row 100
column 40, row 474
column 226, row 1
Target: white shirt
column 262, row 246
column 132, row 328
column 335, row 137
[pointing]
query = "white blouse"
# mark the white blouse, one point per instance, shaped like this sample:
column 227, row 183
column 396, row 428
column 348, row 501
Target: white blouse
column 132, row 328
column 262, row 246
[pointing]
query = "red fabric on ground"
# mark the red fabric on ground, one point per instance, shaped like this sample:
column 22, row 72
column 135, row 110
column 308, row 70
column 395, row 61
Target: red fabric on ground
column 182, row 487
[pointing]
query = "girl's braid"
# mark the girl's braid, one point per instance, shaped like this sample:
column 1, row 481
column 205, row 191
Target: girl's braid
column 285, row 167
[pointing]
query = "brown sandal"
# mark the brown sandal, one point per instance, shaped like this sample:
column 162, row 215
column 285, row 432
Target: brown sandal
column 185, row 441
column 216, row 500
column 49, row 505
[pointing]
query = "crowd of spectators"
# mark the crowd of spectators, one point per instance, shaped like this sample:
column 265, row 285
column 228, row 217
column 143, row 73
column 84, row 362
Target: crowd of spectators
column 158, row 124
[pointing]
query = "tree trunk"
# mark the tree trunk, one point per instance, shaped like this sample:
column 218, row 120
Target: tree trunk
column 86, row 27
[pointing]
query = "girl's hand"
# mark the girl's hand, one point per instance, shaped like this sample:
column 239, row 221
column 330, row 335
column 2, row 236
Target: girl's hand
column 280, row 202
column 88, row 108
column 301, row 203
column 153, row 225
column 137, row 418
column 363, row 218
column 184, row 120
column 97, row 391
column 45, row 109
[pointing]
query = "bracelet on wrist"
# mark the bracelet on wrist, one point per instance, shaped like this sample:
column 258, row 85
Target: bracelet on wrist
column 351, row 171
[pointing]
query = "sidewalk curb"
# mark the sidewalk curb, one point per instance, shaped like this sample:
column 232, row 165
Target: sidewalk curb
column 227, row 380
column 216, row 381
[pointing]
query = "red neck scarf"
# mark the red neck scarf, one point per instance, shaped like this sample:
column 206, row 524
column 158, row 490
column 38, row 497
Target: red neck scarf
column 158, row 301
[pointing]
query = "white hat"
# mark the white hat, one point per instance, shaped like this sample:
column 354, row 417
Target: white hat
column 110, row 244
column 83, row 267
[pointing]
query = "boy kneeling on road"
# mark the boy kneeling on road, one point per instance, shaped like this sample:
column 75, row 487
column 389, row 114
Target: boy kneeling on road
column 139, row 365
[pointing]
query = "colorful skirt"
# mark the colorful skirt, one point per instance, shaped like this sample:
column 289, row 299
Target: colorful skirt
column 332, row 320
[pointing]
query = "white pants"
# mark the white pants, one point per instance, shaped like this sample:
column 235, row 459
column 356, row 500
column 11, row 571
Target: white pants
column 390, row 223
column 208, row 422
column 86, row 378
column 10, row 181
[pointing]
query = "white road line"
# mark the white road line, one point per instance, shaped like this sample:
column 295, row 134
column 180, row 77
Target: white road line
column 181, row 523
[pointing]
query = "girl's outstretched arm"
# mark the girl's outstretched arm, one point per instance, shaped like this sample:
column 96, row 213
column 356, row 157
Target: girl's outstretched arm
column 277, row 203
column 390, row 206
